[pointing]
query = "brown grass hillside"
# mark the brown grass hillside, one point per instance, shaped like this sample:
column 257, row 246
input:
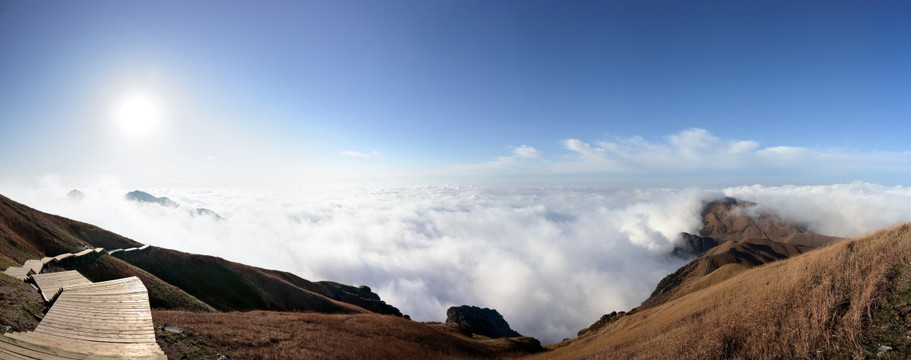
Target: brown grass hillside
column 26, row 233
column 230, row 286
column 161, row 294
column 175, row 280
column 831, row 303
column 730, row 219
column 282, row 335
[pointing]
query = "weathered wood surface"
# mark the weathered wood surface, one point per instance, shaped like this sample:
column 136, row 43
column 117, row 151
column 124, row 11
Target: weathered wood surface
column 22, row 272
column 105, row 320
column 34, row 265
column 84, row 252
column 51, row 283
column 18, row 272
column 108, row 319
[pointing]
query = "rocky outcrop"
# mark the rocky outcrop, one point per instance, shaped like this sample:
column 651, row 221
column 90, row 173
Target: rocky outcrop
column 475, row 320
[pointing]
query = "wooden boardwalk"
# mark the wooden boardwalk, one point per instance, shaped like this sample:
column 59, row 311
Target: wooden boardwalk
column 35, row 266
column 51, row 283
column 103, row 320
column 19, row 272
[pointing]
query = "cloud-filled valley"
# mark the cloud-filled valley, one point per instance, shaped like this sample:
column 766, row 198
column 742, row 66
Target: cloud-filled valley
column 551, row 259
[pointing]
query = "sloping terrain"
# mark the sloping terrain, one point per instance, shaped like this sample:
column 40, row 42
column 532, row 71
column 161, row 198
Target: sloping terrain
column 825, row 304
column 759, row 287
column 229, row 286
column 175, row 280
column 277, row 335
column 733, row 233
column 20, row 305
column 30, row 234
column 729, row 219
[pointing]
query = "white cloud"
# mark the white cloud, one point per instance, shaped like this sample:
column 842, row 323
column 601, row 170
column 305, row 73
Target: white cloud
column 523, row 159
column 584, row 148
column 552, row 259
column 698, row 154
column 838, row 210
column 527, row 152
column 362, row 155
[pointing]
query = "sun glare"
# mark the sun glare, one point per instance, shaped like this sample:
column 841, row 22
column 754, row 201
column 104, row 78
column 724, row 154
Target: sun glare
column 138, row 113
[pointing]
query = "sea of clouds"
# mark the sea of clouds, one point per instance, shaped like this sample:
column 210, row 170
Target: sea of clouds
column 551, row 259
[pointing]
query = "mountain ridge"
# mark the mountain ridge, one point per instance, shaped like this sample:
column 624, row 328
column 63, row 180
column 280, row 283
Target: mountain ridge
column 29, row 233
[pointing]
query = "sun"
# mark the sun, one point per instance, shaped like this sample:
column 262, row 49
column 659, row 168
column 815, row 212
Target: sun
column 138, row 113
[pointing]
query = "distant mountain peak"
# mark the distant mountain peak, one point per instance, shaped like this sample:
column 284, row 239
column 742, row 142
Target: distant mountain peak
column 75, row 195
column 144, row 197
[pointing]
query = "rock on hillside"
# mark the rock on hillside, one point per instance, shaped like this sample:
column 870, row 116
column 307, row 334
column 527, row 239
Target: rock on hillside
column 475, row 320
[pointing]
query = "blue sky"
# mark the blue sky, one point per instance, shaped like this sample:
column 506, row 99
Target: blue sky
column 260, row 92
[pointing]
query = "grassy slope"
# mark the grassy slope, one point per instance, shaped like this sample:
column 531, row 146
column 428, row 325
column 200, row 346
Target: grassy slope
column 161, row 294
column 19, row 303
column 175, row 280
column 230, row 286
column 26, row 233
column 277, row 335
column 823, row 304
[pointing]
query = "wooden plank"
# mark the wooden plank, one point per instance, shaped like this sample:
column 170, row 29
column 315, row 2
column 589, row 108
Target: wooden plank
column 35, row 265
column 51, row 283
column 109, row 319
column 18, row 272
column 62, row 256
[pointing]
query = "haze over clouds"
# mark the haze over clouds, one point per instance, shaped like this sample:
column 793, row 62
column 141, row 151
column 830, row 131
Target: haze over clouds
column 698, row 156
column 551, row 259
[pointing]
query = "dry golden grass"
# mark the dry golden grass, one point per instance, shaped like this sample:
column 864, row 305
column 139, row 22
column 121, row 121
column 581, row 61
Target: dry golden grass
column 284, row 335
column 819, row 305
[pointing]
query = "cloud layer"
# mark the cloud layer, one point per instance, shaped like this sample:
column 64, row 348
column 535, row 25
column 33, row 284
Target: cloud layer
column 551, row 259
column 697, row 154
